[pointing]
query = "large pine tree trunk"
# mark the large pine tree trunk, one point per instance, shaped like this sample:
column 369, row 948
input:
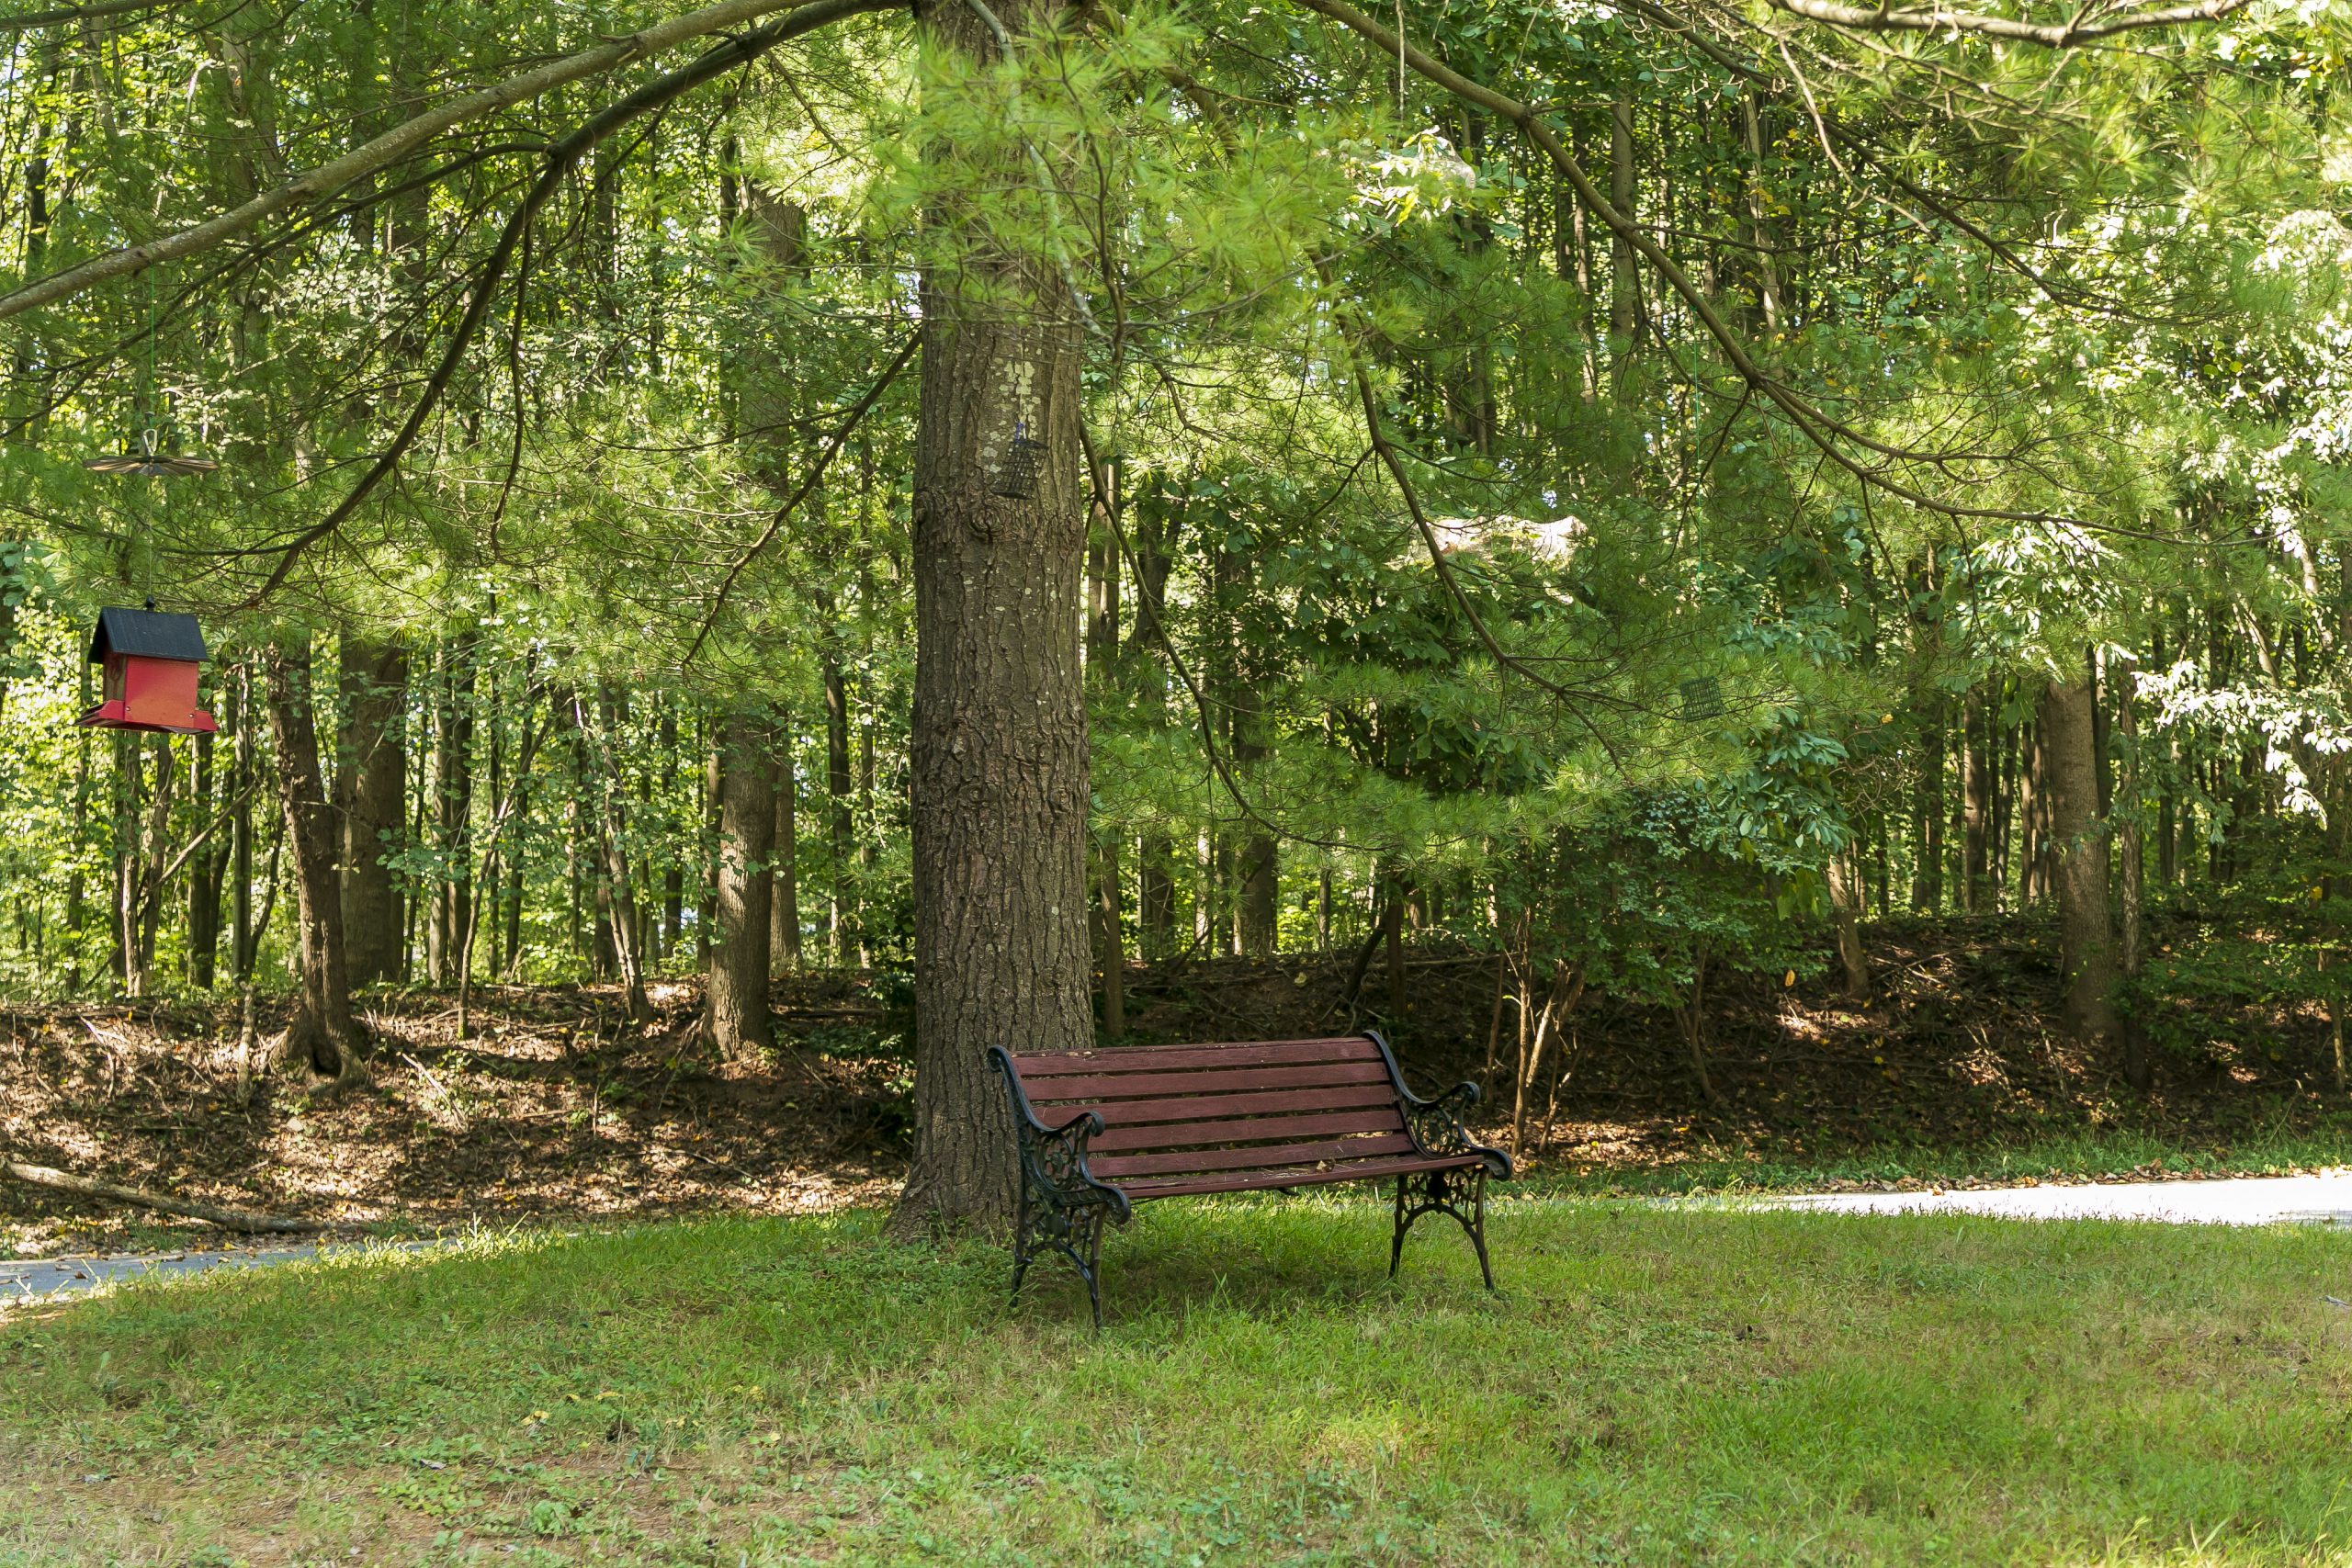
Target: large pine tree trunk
column 371, row 794
column 2078, row 856
column 736, row 997
column 999, row 753
column 323, row 1036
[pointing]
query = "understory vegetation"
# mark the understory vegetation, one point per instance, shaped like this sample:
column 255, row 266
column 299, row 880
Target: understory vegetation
column 1651, row 1387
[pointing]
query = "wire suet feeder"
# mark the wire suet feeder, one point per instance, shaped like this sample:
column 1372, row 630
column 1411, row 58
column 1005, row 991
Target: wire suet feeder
column 1017, row 481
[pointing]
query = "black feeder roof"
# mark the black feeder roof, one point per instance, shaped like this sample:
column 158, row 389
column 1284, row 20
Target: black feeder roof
column 147, row 634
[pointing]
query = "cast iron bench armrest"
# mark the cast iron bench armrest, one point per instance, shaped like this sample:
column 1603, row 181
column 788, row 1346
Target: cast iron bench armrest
column 1053, row 1160
column 1435, row 1124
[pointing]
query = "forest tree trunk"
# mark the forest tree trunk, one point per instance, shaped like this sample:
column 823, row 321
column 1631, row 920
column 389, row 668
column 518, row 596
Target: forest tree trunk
column 371, row 792
column 1846, row 914
column 998, row 758
column 1976, row 805
column 736, row 998
column 2077, row 842
column 2139, row 1069
column 323, row 1037
column 783, row 895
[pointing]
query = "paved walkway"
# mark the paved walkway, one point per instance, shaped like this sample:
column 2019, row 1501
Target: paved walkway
column 2324, row 1199
column 26, row 1280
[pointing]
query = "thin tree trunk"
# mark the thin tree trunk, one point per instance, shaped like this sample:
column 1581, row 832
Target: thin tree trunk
column 1976, row 805
column 204, row 874
column 2132, row 938
column 242, row 934
column 1846, row 914
column 736, row 997
column 673, row 872
column 1625, row 300
column 2078, row 843
column 1110, row 927
column 1927, row 877
column 783, row 905
column 612, row 796
column 841, row 916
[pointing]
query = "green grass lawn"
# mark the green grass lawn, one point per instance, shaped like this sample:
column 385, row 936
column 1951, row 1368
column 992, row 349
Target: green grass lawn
column 1656, row 1386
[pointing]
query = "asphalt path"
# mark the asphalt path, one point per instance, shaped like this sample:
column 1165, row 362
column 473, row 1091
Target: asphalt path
column 25, row 1280
column 2321, row 1199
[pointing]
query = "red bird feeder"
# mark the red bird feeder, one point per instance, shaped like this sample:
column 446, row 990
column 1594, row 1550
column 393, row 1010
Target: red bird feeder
column 151, row 661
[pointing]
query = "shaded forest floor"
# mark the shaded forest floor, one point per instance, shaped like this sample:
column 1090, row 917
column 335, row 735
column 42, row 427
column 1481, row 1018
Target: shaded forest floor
column 554, row 1110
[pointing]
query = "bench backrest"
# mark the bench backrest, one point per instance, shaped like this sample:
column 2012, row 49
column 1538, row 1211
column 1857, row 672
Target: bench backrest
column 1169, row 1109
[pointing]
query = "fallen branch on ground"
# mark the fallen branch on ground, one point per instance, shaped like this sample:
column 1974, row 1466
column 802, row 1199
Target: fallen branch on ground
column 228, row 1219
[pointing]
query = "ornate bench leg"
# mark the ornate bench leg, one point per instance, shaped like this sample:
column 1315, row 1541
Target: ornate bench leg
column 1396, row 1239
column 1092, row 1266
column 1429, row 1192
column 1023, row 1252
column 1477, row 1227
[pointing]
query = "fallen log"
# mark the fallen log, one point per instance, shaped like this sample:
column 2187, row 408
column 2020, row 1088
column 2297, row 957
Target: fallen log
column 227, row 1219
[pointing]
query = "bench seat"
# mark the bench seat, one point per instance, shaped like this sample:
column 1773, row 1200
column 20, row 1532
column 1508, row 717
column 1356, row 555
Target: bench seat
column 1101, row 1131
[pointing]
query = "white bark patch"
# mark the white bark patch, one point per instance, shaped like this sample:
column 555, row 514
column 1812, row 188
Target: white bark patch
column 1016, row 393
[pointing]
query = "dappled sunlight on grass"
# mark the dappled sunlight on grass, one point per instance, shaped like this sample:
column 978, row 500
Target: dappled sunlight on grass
column 1653, row 1386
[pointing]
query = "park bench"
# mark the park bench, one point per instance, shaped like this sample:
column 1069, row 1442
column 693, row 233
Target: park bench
column 1102, row 1131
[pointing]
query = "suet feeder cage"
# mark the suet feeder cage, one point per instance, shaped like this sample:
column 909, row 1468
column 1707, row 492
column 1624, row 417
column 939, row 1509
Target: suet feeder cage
column 1018, row 478
column 152, row 660
column 1703, row 699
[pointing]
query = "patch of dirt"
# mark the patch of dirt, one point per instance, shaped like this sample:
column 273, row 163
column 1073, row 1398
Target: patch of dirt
column 555, row 1109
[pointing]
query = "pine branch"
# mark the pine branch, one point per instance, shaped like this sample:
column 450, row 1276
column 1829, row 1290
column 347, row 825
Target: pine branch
column 2064, row 35
column 320, row 183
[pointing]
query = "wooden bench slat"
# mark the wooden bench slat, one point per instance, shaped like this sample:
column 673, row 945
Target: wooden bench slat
column 1165, row 1059
column 1257, row 1180
column 1111, row 1086
column 1111, row 1167
column 1192, row 1107
column 1171, row 1135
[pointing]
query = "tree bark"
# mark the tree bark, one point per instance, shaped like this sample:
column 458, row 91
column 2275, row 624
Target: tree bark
column 619, row 875
column 323, row 1036
column 1625, row 299
column 1000, row 765
column 1846, row 914
column 371, row 792
column 453, row 796
column 841, row 914
column 784, row 903
column 1928, row 875
column 736, row 997
column 204, row 874
column 2139, row 1068
column 2077, row 841
column 1976, row 805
